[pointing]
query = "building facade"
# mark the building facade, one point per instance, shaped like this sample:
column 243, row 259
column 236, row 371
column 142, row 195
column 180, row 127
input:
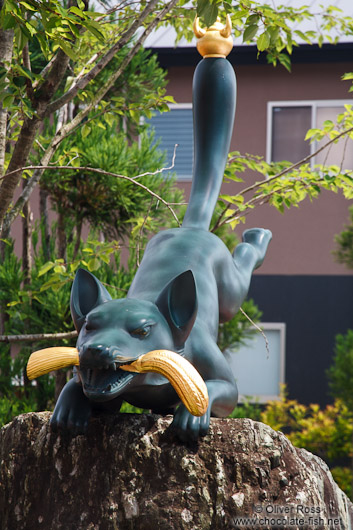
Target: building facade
column 306, row 297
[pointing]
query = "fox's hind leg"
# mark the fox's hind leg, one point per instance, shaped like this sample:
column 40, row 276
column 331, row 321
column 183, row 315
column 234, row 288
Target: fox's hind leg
column 250, row 254
column 234, row 283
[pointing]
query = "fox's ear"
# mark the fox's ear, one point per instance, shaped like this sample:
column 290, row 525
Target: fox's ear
column 87, row 292
column 178, row 304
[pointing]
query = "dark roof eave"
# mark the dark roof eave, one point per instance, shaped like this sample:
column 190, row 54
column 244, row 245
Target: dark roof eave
column 305, row 53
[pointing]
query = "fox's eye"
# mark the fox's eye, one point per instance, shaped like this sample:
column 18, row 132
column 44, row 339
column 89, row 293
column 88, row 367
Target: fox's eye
column 141, row 332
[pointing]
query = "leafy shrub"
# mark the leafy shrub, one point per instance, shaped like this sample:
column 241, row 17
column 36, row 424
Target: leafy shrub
column 247, row 410
column 343, row 477
column 43, row 306
column 340, row 373
column 13, row 406
column 326, row 433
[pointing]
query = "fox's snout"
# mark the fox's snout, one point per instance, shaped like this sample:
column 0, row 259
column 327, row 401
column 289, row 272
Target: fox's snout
column 103, row 357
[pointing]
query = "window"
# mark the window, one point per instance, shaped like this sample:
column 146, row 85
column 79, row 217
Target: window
column 287, row 124
column 257, row 373
column 176, row 127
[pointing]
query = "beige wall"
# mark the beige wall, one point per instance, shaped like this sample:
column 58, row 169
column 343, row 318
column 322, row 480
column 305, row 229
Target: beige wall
column 303, row 238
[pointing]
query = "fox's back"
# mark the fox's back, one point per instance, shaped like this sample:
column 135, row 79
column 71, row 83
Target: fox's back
column 177, row 250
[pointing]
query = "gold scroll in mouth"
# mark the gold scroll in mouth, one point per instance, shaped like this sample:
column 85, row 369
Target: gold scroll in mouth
column 42, row 362
column 185, row 379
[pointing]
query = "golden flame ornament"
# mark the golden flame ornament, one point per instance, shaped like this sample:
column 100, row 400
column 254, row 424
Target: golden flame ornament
column 215, row 41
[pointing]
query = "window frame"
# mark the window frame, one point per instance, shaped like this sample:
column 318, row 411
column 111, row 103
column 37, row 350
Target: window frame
column 180, row 106
column 264, row 398
column 313, row 104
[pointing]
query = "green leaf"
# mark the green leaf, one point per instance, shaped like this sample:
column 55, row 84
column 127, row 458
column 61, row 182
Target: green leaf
column 67, row 50
column 234, row 177
column 263, row 41
column 43, row 45
column 11, row 304
column 93, row 264
column 74, row 29
column 28, row 6
column 240, row 13
column 252, row 19
column 8, row 22
column 233, row 199
column 273, row 33
column 234, row 223
column 105, row 258
column 228, row 8
column 31, row 29
column 7, row 101
column 77, row 11
column 201, row 6
column 311, row 133
column 59, row 269
column 85, row 130
column 250, row 32
column 303, row 36
column 91, row 27
column 210, row 15
column 284, row 59
column 21, row 37
column 45, row 268
column 109, row 118
column 170, row 99
column 135, row 115
column 24, row 71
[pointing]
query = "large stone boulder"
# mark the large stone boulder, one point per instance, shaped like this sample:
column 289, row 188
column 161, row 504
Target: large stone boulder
column 130, row 472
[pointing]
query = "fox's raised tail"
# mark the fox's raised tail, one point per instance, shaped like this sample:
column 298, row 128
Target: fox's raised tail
column 214, row 97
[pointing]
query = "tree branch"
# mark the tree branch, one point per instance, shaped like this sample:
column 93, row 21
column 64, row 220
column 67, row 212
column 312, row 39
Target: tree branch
column 39, row 336
column 297, row 164
column 101, row 172
column 28, row 132
column 69, row 127
column 6, row 47
column 220, row 222
column 80, row 84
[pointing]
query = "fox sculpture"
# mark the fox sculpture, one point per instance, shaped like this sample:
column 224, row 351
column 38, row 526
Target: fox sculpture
column 188, row 282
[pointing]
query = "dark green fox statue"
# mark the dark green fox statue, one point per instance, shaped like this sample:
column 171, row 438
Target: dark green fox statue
column 186, row 284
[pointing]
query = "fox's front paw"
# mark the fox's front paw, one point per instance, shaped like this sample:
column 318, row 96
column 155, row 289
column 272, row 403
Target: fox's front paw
column 73, row 420
column 72, row 411
column 188, row 427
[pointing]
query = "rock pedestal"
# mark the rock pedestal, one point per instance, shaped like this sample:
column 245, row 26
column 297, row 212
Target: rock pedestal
column 131, row 473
